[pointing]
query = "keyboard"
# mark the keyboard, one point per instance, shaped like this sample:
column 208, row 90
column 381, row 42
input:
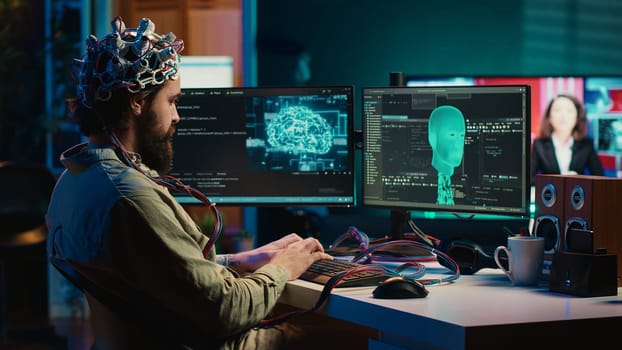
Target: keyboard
column 322, row 270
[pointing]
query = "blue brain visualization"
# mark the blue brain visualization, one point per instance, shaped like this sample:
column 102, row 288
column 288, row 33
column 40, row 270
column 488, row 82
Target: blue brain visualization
column 298, row 130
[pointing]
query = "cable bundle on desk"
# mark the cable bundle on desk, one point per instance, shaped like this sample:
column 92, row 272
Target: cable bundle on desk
column 367, row 254
column 365, row 257
column 448, row 262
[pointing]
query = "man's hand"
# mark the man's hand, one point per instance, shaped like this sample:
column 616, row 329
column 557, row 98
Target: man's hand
column 251, row 260
column 292, row 252
column 298, row 256
column 280, row 243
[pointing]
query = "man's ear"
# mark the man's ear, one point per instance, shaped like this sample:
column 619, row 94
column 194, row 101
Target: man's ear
column 137, row 103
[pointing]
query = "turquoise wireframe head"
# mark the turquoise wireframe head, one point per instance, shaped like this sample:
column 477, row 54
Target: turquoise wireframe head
column 446, row 129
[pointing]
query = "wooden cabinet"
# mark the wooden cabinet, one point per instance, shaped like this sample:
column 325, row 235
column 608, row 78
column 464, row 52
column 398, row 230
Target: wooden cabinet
column 208, row 27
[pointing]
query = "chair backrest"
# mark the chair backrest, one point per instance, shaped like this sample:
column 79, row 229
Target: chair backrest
column 25, row 191
column 78, row 277
column 121, row 317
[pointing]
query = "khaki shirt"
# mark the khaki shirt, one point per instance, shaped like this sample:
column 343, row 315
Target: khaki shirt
column 104, row 212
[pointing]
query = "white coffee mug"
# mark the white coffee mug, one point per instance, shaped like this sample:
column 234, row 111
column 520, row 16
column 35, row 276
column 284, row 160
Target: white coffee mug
column 525, row 257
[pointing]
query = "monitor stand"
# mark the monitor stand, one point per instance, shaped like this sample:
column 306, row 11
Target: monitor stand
column 398, row 219
column 398, row 216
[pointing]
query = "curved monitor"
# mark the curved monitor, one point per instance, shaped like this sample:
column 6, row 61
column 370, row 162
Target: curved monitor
column 447, row 148
column 266, row 146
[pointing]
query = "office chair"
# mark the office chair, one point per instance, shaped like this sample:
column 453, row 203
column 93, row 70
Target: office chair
column 121, row 317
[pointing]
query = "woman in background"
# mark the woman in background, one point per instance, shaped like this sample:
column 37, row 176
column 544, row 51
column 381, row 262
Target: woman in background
column 563, row 146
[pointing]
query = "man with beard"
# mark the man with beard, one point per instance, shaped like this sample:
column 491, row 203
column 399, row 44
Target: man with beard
column 112, row 213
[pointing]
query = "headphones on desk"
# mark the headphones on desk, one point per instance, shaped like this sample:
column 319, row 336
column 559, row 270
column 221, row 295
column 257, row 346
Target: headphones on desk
column 469, row 256
column 466, row 254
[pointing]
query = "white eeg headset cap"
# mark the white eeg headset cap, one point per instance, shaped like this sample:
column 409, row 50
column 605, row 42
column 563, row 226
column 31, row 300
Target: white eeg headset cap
column 130, row 58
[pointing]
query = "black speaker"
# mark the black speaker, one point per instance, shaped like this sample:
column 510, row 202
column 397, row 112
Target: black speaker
column 584, row 274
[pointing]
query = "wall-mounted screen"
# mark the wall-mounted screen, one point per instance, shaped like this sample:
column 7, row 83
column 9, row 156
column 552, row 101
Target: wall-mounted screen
column 601, row 95
column 603, row 102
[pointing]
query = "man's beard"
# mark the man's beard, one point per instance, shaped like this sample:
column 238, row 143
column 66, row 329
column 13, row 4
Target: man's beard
column 156, row 150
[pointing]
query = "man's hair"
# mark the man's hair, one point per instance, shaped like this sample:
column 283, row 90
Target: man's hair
column 107, row 114
column 125, row 62
column 580, row 129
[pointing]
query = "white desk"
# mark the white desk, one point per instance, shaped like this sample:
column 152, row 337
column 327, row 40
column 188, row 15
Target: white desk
column 481, row 311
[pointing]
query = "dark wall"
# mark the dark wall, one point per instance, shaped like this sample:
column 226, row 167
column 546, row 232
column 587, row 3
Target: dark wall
column 359, row 41
column 22, row 91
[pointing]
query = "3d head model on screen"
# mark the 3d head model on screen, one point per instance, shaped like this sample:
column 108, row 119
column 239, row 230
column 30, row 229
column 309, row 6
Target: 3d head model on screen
column 446, row 130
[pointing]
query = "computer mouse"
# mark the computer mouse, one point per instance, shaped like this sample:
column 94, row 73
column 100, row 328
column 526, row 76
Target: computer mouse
column 399, row 287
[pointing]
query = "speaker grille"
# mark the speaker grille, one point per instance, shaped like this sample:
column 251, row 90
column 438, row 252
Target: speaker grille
column 547, row 226
column 548, row 195
column 577, row 197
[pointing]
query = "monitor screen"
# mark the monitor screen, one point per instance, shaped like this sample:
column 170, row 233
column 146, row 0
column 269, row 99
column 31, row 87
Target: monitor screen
column 447, row 148
column 267, row 146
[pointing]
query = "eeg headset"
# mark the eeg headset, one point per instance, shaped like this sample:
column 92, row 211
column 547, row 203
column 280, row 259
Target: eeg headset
column 129, row 58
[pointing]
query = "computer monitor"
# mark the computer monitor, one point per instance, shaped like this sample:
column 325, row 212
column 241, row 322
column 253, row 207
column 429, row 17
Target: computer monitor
column 266, row 146
column 459, row 149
